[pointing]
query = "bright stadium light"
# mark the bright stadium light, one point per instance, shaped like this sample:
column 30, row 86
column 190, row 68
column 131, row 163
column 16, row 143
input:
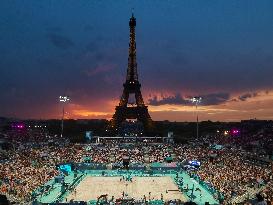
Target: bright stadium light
column 63, row 99
column 196, row 101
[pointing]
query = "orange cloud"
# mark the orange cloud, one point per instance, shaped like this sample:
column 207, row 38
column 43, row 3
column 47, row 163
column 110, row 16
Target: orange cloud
column 89, row 114
column 258, row 106
column 77, row 111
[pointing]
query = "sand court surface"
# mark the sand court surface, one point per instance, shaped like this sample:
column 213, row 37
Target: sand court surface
column 90, row 188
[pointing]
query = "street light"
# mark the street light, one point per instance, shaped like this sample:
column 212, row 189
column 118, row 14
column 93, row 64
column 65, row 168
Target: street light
column 63, row 99
column 196, row 101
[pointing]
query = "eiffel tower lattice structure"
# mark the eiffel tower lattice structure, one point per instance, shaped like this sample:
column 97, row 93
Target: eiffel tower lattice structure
column 136, row 109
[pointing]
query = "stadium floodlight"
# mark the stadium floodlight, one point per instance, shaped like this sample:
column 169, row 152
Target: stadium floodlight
column 196, row 101
column 63, row 99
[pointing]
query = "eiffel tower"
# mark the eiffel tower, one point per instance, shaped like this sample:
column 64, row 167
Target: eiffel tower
column 126, row 108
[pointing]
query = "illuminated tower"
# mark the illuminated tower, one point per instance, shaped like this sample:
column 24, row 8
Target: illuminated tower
column 128, row 109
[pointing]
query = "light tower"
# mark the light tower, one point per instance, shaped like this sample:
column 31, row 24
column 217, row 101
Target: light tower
column 63, row 100
column 196, row 101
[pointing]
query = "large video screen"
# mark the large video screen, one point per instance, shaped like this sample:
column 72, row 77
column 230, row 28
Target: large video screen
column 194, row 163
column 65, row 168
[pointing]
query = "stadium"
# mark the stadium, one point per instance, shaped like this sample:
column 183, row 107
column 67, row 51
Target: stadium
column 102, row 183
column 135, row 186
column 89, row 147
column 46, row 169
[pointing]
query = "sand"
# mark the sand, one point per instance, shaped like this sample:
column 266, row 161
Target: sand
column 91, row 187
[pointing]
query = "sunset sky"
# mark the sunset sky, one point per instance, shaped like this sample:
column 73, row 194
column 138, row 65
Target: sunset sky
column 221, row 50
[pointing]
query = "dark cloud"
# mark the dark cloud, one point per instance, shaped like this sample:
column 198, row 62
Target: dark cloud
column 209, row 99
column 245, row 96
column 92, row 47
column 215, row 98
column 170, row 100
column 234, row 100
column 60, row 41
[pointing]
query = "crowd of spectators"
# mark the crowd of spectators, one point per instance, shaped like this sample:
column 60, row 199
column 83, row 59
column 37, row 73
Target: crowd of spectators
column 31, row 161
